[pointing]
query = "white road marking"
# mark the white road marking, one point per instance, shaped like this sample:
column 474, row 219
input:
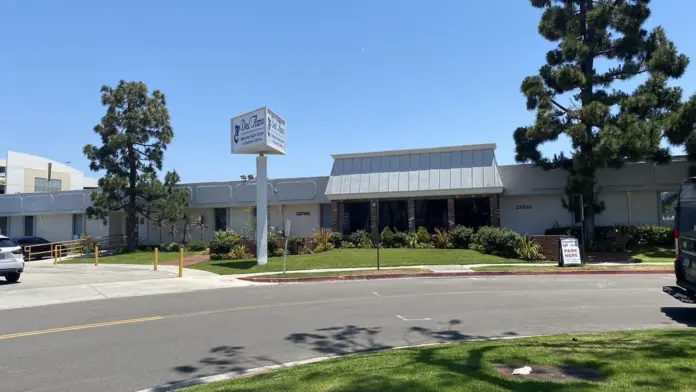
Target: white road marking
column 420, row 319
column 376, row 293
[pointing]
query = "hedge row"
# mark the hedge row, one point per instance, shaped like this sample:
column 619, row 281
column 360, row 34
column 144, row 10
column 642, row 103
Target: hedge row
column 632, row 235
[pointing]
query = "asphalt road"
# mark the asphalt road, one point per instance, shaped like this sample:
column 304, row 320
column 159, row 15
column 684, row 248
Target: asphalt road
column 133, row 343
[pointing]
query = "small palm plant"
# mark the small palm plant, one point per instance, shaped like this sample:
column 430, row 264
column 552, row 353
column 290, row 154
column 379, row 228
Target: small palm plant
column 201, row 223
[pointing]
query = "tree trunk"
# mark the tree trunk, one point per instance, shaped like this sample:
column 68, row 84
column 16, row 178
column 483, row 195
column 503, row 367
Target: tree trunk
column 132, row 180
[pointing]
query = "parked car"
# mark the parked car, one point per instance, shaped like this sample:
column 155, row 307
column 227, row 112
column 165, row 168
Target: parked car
column 11, row 260
column 685, row 236
column 40, row 247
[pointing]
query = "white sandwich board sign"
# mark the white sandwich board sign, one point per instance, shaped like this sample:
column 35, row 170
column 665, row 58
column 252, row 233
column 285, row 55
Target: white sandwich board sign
column 259, row 131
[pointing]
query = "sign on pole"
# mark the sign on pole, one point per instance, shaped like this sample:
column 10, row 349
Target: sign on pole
column 260, row 132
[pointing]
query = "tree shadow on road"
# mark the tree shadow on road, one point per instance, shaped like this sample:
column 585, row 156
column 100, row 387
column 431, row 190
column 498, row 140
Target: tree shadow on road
column 681, row 315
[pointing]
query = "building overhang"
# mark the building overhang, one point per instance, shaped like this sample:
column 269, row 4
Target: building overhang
column 435, row 172
column 455, row 193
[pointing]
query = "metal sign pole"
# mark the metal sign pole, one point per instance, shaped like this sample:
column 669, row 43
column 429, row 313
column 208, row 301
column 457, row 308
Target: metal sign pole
column 287, row 236
column 261, row 210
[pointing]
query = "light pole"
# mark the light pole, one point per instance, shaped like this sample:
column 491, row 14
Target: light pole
column 375, row 204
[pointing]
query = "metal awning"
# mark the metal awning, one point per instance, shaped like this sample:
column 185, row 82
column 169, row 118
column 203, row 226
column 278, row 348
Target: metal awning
column 445, row 171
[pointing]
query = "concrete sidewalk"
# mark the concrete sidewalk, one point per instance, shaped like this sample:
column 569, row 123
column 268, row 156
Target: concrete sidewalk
column 44, row 283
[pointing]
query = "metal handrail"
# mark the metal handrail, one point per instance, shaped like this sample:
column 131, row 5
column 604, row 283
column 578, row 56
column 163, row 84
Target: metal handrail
column 78, row 246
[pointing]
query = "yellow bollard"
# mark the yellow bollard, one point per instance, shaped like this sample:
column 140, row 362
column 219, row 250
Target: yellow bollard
column 181, row 262
column 156, row 257
column 55, row 255
column 96, row 255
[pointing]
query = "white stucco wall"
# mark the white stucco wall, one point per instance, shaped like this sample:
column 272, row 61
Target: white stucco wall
column 54, row 227
column 96, row 228
column 17, row 162
column 302, row 225
column 16, row 224
column 240, row 220
column 515, row 213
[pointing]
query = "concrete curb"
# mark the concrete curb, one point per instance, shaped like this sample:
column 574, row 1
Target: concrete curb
column 451, row 275
column 264, row 369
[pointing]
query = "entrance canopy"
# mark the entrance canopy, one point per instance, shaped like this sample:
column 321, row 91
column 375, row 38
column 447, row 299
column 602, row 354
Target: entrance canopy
column 442, row 171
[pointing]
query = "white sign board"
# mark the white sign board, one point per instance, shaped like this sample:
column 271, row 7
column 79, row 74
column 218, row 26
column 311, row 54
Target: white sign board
column 570, row 252
column 260, row 131
column 287, row 228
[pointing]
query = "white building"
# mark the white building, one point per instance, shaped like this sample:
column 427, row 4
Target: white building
column 435, row 187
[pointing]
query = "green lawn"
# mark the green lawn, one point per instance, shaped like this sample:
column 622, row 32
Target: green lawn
column 653, row 254
column 351, row 258
column 137, row 257
column 637, row 267
column 631, row 361
column 351, row 273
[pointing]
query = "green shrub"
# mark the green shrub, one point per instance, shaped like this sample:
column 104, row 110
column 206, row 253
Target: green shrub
column 145, row 248
column 400, row 239
column 321, row 237
column 441, row 239
column 295, row 244
column 637, row 235
column 171, row 247
column 495, row 241
column 197, row 246
column 224, row 242
column 347, row 245
column 460, row 236
column 336, row 238
column 239, row 252
column 278, row 253
column 272, row 242
column 423, row 235
column 387, row 238
column 360, row 238
column 529, row 249
column 323, row 247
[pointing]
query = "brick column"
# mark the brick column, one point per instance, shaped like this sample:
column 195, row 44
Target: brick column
column 373, row 219
column 334, row 216
column 495, row 210
column 450, row 213
column 411, row 207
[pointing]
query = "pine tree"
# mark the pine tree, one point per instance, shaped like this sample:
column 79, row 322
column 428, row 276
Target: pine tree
column 135, row 132
column 577, row 93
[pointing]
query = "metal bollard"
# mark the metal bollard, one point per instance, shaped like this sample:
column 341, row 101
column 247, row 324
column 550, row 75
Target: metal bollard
column 156, row 257
column 181, row 262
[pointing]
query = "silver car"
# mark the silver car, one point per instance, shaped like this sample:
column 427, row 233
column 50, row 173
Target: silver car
column 11, row 260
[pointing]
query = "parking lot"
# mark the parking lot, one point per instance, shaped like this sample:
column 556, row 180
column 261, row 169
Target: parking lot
column 44, row 283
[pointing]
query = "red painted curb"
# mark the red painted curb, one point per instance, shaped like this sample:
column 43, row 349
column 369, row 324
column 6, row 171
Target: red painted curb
column 451, row 274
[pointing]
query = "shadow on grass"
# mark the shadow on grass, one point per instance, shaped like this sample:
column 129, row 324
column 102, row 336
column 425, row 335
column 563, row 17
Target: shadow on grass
column 234, row 265
column 651, row 253
column 630, row 361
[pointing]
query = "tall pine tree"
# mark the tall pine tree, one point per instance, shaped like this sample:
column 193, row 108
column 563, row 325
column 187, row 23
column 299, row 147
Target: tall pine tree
column 577, row 93
column 135, row 132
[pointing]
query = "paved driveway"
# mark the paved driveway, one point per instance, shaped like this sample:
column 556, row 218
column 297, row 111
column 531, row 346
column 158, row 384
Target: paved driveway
column 44, row 283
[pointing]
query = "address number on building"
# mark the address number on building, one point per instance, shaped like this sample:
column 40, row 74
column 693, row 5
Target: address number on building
column 523, row 207
column 302, row 213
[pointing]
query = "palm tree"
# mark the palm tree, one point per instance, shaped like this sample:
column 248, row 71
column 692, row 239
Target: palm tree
column 186, row 229
column 201, row 223
column 172, row 230
column 159, row 224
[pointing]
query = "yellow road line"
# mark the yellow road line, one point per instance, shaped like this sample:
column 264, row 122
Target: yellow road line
column 79, row 327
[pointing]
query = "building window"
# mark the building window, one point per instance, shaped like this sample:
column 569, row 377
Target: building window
column 668, row 202
column 44, row 185
column 29, row 226
column 220, row 219
column 393, row 214
column 431, row 214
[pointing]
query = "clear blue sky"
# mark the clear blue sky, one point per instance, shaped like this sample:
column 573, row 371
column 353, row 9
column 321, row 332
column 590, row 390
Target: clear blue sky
column 347, row 76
